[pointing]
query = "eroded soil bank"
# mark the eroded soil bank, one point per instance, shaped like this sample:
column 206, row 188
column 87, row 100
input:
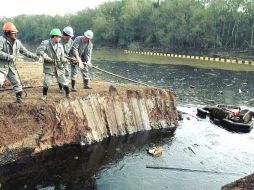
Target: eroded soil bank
column 90, row 116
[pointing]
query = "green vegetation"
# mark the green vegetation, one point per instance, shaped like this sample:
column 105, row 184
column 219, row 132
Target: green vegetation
column 166, row 25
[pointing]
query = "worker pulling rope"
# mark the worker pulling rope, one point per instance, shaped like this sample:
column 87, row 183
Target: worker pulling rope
column 73, row 60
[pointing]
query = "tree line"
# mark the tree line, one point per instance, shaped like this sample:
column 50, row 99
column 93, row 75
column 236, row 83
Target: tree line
column 166, row 25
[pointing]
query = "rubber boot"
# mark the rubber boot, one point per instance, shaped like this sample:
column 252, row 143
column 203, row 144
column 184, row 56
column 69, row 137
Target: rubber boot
column 45, row 93
column 60, row 88
column 67, row 91
column 19, row 97
column 86, row 84
column 73, row 89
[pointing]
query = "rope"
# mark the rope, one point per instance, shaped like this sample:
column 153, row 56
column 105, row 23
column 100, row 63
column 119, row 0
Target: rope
column 8, row 89
column 119, row 76
column 97, row 68
column 122, row 77
column 110, row 73
column 25, row 87
column 116, row 75
column 20, row 79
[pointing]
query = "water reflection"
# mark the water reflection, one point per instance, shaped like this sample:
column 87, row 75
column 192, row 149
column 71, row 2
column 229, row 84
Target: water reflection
column 74, row 167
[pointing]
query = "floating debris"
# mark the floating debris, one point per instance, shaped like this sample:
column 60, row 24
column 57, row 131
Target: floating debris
column 180, row 116
column 156, row 151
column 191, row 150
column 211, row 101
column 212, row 74
column 182, row 112
column 193, row 170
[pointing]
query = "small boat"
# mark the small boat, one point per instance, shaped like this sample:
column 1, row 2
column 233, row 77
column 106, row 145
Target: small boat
column 232, row 118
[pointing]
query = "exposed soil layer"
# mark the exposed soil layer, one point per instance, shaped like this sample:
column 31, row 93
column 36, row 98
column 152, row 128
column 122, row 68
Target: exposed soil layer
column 90, row 116
column 246, row 183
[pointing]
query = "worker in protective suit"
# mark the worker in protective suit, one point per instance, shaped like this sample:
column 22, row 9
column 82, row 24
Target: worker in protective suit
column 52, row 52
column 82, row 51
column 68, row 34
column 10, row 47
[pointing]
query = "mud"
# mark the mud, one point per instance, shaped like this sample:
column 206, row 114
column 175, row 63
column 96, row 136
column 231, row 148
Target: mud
column 90, row 116
column 245, row 183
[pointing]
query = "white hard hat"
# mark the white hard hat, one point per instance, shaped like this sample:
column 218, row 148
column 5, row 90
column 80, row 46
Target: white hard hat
column 69, row 31
column 89, row 34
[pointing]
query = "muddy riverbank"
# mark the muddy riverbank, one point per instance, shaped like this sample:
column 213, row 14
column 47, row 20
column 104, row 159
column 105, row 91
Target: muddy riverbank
column 90, row 116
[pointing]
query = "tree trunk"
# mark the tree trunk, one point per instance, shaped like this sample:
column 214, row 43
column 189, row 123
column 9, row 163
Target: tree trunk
column 227, row 37
column 252, row 36
column 223, row 30
column 236, row 36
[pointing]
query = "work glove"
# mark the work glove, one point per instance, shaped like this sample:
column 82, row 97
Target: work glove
column 74, row 61
column 40, row 59
column 65, row 61
column 89, row 64
column 81, row 66
column 37, row 58
column 79, row 60
column 48, row 59
column 12, row 58
column 80, row 63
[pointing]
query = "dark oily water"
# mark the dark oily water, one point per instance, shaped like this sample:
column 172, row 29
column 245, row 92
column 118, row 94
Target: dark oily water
column 204, row 157
column 192, row 85
column 198, row 144
column 74, row 166
column 198, row 155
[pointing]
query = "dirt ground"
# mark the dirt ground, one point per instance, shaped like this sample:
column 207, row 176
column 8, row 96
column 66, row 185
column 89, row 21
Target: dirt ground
column 32, row 79
column 246, row 183
column 34, row 114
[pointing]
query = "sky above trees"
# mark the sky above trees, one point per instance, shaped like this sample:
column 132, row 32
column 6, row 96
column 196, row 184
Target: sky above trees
column 171, row 25
column 49, row 7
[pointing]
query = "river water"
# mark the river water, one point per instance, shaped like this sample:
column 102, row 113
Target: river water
column 212, row 155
